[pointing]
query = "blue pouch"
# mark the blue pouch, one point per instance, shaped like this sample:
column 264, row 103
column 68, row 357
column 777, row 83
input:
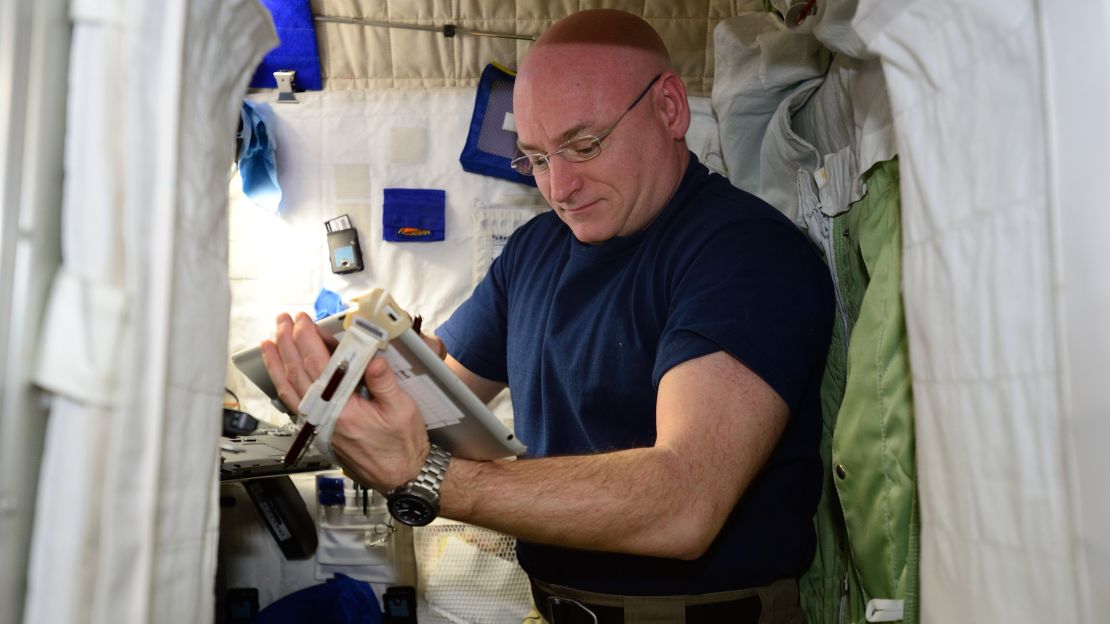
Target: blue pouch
column 297, row 50
column 490, row 146
column 413, row 215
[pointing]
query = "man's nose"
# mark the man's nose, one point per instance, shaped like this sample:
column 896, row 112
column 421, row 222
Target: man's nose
column 564, row 179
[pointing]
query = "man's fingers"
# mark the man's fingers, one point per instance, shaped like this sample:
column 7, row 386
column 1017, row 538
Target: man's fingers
column 436, row 345
column 382, row 385
column 314, row 353
column 276, row 369
column 290, row 354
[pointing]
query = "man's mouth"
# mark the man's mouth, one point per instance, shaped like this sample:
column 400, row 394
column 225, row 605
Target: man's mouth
column 579, row 208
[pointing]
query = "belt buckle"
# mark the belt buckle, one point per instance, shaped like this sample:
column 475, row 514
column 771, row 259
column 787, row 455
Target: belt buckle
column 555, row 601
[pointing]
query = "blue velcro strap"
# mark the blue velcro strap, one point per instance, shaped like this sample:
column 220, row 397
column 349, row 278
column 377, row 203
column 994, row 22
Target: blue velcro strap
column 297, row 51
column 411, row 215
column 489, row 146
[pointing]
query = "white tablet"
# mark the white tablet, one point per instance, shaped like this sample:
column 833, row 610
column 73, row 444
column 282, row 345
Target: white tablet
column 456, row 419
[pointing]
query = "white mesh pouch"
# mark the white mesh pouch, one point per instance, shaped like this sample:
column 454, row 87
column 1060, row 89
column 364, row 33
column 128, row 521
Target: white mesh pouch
column 469, row 575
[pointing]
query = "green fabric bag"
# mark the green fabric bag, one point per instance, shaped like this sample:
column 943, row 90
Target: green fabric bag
column 867, row 521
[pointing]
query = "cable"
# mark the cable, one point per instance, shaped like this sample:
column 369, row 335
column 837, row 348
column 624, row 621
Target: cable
column 234, row 396
column 448, row 30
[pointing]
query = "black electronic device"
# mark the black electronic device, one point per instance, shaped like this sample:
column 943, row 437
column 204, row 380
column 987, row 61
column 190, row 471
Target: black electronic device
column 399, row 605
column 238, row 423
column 343, row 247
column 262, row 454
column 282, row 510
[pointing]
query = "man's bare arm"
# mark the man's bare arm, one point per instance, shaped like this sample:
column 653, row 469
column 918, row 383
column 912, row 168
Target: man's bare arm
column 717, row 423
column 483, row 388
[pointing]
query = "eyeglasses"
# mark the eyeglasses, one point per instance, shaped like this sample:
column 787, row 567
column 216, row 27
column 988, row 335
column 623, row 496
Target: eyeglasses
column 576, row 150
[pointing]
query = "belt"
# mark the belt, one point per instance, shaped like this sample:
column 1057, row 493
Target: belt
column 566, row 606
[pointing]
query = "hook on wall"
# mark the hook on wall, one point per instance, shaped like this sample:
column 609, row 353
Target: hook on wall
column 285, row 81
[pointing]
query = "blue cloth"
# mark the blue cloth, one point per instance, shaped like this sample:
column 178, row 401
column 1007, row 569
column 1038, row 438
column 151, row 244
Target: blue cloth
column 258, row 156
column 328, row 302
column 413, row 215
column 297, row 50
column 341, row 600
column 583, row 334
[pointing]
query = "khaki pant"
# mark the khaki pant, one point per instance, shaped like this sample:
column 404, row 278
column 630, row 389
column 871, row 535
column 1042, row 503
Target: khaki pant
column 779, row 602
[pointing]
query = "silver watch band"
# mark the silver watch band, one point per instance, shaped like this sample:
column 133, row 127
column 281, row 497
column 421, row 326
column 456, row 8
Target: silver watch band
column 432, row 472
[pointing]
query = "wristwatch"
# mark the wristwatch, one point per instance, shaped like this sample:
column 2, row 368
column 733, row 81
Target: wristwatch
column 416, row 503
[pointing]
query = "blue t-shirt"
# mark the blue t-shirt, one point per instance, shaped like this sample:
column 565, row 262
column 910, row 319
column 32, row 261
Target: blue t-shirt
column 583, row 334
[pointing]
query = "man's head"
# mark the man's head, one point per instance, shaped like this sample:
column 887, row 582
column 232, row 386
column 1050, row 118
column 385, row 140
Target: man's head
column 578, row 80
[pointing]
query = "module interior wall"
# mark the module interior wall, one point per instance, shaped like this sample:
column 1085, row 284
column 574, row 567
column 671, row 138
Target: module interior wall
column 357, row 57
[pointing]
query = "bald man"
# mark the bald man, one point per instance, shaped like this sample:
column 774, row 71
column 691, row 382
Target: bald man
column 664, row 336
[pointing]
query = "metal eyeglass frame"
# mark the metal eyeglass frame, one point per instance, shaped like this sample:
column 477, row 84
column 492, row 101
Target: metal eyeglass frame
column 530, row 164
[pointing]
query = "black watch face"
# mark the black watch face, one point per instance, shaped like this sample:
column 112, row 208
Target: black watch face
column 411, row 510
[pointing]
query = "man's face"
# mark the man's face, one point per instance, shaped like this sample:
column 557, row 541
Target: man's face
column 609, row 195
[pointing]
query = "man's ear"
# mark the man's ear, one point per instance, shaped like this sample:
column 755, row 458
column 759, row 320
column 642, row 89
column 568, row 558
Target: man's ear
column 673, row 106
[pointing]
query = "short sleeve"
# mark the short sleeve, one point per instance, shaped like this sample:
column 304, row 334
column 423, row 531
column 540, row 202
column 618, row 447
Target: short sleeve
column 475, row 334
column 757, row 290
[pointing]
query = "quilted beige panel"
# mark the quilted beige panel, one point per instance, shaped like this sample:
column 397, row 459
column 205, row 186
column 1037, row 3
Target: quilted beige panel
column 374, row 57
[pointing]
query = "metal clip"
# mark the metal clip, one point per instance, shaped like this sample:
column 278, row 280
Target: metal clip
column 284, row 79
column 555, row 602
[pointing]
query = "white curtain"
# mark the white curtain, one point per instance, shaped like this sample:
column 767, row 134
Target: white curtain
column 135, row 337
column 1000, row 109
column 1077, row 57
